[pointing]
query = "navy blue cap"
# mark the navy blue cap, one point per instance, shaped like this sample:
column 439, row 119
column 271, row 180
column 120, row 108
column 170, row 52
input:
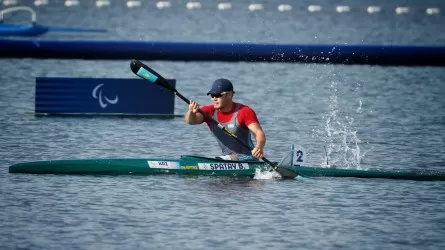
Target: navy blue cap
column 219, row 86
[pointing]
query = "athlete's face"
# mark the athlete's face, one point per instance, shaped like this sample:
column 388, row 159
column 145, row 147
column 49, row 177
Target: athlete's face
column 221, row 100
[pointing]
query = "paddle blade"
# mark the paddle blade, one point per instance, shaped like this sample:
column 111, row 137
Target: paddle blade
column 149, row 74
column 286, row 173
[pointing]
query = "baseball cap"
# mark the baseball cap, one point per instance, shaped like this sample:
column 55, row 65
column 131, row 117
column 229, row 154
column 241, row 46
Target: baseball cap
column 219, row 86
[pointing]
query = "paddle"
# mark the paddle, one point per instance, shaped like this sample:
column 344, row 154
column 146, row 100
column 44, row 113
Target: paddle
column 149, row 74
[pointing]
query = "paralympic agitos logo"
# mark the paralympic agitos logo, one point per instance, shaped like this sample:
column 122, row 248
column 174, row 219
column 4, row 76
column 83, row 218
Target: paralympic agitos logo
column 103, row 100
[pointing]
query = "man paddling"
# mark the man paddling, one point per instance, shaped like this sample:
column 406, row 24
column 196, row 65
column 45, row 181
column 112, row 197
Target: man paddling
column 240, row 119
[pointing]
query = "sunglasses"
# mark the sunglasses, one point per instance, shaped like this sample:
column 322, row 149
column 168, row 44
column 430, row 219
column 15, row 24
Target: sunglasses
column 218, row 95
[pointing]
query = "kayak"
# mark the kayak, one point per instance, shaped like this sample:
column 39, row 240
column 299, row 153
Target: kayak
column 199, row 165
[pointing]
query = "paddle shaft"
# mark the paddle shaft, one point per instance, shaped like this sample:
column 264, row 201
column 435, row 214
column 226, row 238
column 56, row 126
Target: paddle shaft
column 149, row 74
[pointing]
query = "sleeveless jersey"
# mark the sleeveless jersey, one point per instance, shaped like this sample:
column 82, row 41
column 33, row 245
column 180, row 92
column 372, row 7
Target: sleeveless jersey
column 227, row 143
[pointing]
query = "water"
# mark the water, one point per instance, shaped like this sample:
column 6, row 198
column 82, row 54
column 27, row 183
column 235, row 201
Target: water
column 367, row 117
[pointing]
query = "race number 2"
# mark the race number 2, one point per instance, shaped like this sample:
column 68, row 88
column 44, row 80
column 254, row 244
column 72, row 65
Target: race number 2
column 299, row 157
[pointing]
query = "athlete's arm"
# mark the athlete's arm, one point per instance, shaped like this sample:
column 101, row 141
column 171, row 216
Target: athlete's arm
column 260, row 139
column 249, row 118
column 193, row 116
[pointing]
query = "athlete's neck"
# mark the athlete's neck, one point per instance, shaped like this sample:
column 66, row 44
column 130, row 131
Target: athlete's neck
column 227, row 108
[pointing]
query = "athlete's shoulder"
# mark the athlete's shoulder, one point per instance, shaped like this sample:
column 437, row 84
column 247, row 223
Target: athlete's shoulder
column 245, row 108
column 209, row 109
column 247, row 115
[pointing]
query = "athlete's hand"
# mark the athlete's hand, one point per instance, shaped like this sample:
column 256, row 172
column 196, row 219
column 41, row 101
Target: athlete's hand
column 193, row 107
column 257, row 152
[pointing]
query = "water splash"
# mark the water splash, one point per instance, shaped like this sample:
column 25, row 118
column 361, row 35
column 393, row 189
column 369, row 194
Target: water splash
column 359, row 109
column 265, row 173
column 340, row 136
column 261, row 174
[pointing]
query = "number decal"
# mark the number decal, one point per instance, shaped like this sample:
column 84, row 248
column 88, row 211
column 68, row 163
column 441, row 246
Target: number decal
column 299, row 156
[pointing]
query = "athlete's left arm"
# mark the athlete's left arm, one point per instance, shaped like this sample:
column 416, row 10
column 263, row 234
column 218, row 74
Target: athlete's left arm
column 250, row 120
column 260, row 139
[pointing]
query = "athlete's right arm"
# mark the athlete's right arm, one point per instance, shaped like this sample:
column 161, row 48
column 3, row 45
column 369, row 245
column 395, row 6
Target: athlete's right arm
column 192, row 116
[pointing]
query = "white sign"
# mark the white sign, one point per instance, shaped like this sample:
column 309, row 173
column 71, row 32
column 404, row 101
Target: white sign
column 163, row 164
column 300, row 156
column 223, row 166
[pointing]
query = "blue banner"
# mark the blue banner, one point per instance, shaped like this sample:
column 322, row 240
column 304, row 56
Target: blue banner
column 56, row 95
column 380, row 54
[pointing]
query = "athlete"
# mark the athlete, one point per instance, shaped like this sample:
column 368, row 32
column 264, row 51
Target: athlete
column 240, row 119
